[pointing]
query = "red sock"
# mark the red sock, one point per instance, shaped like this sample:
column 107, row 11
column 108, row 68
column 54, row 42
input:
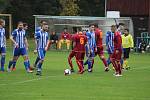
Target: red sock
column 115, row 65
column 80, row 65
column 119, row 67
column 70, row 62
column 104, row 62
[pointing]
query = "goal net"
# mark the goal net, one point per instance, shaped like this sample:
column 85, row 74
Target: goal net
column 58, row 23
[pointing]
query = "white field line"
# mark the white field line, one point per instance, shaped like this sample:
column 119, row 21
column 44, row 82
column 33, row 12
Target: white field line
column 41, row 78
column 26, row 81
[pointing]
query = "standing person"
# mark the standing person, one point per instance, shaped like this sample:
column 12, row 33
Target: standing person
column 42, row 22
column 80, row 41
column 127, row 44
column 91, row 47
column 99, row 44
column 64, row 38
column 20, row 46
column 116, row 56
column 42, row 38
column 25, row 25
column 110, row 43
column 2, row 44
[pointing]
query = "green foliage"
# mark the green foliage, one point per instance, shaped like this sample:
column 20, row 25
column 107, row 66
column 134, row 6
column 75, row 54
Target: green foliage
column 69, row 7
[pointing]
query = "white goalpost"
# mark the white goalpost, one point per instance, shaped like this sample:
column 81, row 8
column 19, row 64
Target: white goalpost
column 57, row 23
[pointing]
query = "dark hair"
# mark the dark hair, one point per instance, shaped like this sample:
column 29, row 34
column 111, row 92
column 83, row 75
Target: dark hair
column 126, row 29
column 113, row 26
column 122, row 24
column 91, row 25
column 96, row 25
column 25, row 24
column 42, row 21
column 20, row 22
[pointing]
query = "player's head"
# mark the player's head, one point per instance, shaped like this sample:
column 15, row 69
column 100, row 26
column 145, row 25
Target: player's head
column 42, row 22
column 2, row 23
column 25, row 25
column 121, row 27
column 126, row 31
column 45, row 27
column 113, row 28
column 91, row 27
column 20, row 25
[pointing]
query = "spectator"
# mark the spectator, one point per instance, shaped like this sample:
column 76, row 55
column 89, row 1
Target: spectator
column 53, row 39
column 64, row 38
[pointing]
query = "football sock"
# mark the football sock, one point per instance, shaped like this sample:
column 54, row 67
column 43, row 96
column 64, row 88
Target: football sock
column 108, row 61
column 14, row 64
column 70, row 62
column 2, row 62
column 104, row 62
column 40, row 66
column 37, row 60
column 10, row 63
column 26, row 64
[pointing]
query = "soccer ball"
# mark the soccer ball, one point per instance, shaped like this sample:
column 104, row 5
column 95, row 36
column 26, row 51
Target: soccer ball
column 67, row 72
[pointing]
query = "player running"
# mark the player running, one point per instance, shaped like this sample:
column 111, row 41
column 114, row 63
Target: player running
column 42, row 38
column 20, row 46
column 80, row 40
column 99, row 45
column 2, row 44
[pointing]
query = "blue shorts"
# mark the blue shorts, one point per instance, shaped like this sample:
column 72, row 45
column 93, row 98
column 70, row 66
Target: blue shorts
column 2, row 50
column 92, row 54
column 110, row 51
column 20, row 51
column 41, row 53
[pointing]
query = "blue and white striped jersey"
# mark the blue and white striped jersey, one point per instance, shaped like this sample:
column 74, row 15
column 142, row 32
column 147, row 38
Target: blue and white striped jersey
column 109, row 41
column 19, row 37
column 42, row 39
column 91, row 39
column 2, row 38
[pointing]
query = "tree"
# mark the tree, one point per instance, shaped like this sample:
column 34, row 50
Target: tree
column 69, row 7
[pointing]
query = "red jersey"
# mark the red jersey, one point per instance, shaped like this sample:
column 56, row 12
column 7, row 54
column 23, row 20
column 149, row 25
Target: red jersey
column 117, row 41
column 80, row 41
column 99, row 37
column 65, row 35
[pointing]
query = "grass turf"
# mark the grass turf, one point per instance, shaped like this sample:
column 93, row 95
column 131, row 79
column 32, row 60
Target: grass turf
column 53, row 85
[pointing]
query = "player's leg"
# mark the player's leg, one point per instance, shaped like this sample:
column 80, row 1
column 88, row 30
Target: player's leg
column 41, row 55
column 23, row 52
column 79, row 62
column 126, row 57
column 3, row 53
column 68, row 44
column 14, row 59
column 71, row 55
column 14, row 64
column 118, row 58
column 59, row 43
column 101, row 55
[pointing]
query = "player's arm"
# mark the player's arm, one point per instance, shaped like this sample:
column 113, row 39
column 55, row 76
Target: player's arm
column 119, row 43
column 48, row 43
column 26, row 43
column 12, row 39
column 131, row 41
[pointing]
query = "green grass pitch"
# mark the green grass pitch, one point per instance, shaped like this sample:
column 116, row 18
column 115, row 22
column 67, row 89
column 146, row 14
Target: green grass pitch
column 54, row 85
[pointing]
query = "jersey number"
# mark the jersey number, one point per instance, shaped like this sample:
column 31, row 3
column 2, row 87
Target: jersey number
column 81, row 40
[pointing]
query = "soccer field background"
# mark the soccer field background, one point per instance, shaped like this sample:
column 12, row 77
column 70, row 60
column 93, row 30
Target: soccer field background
column 54, row 85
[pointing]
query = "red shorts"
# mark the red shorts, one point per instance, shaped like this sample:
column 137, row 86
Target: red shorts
column 100, row 51
column 72, row 54
column 80, row 56
column 117, row 56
